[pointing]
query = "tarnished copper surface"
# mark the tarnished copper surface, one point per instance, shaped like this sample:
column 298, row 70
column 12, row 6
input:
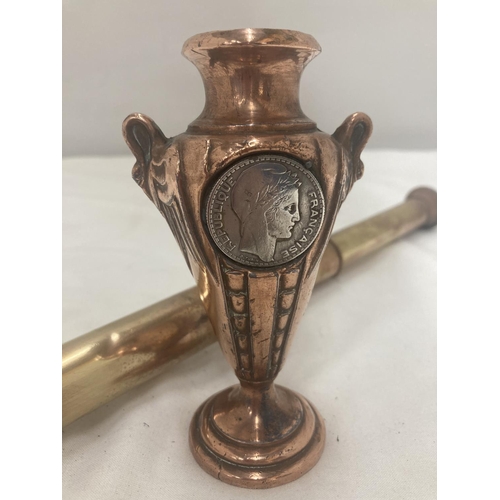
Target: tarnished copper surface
column 108, row 361
column 252, row 110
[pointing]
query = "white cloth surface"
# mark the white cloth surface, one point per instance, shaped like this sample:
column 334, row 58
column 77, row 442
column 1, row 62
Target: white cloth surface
column 364, row 352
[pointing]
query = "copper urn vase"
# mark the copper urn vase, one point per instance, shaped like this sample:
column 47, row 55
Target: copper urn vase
column 251, row 191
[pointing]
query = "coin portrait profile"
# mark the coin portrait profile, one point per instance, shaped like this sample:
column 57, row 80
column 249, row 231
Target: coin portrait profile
column 265, row 210
column 266, row 201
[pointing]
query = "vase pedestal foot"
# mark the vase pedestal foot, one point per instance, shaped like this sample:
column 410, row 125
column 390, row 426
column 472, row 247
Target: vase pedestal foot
column 257, row 436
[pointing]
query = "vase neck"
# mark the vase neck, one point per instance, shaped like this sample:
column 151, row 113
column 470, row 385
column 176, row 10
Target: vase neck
column 253, row 86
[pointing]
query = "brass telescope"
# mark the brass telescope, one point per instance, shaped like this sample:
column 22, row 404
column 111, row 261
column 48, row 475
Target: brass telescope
column 105, row 363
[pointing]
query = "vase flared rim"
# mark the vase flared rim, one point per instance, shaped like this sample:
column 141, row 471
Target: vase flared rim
column 201, row 44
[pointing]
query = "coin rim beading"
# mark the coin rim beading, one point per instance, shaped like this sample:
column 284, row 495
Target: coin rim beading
column 255, row 160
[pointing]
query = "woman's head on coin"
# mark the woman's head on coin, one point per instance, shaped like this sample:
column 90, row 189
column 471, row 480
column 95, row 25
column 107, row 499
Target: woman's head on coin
column 265, row 199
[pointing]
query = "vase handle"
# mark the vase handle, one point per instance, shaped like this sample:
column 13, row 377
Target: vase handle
column 144, row 138
column 353, row 135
